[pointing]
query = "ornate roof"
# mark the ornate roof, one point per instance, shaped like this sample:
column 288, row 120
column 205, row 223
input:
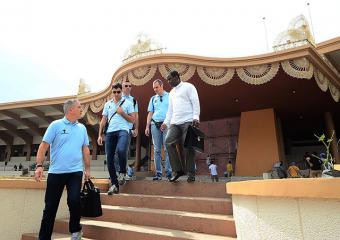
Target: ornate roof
column 260, row 81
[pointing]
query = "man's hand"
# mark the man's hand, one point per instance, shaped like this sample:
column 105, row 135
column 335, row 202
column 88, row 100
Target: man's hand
column 195, row 123
column 100, row 140
column 119, row 110
column 87, row 175
column 147, row 132
column 134, row 132
column 163, row 127
column 38, row 174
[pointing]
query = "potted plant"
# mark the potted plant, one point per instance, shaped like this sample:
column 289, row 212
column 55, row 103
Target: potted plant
column 326, row 158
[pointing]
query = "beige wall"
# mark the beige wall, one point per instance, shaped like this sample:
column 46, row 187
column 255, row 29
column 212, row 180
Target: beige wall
column 21, row 211
column 258, row 145
column 286, row 209
column 267, row 218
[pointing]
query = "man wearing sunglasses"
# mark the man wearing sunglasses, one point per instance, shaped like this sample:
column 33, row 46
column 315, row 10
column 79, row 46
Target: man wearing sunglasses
column 183, row 111
column 133, row 127
column 121, row 115
column 157, row 109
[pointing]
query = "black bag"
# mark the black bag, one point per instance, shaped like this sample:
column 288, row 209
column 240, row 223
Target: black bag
column 194, row 139
column 90, row 200
column 105, row 128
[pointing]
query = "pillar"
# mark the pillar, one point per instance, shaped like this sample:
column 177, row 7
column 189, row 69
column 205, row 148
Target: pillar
column 8, row 152
column 28, row 150
column 138, row 150
column 94, row 150
column 258, row 143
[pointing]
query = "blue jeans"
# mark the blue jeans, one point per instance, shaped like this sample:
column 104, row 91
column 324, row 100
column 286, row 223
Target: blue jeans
column 116, row 141
column 127, row 153
column 158, row 139
column 54, row 189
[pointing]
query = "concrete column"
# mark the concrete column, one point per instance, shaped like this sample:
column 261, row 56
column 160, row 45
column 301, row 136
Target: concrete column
column 28, row 150
column 138, row 150
column 48, row 154
column 330, row 128
column 258, row 143
column 8, row 152
column 94, row 150
column 281, row 141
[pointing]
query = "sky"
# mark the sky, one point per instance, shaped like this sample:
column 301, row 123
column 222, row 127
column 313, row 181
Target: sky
column 47, row 46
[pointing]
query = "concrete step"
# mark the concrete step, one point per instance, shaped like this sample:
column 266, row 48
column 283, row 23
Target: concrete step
column 55, row 236
column 216, row 224
column 165, row 188
column 190, row 204
column 101, row 230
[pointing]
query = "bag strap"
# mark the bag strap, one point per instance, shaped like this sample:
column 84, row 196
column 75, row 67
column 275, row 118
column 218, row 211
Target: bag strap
column 88, row 185
column 152, row 120
column 120, row 104
column 153, row 105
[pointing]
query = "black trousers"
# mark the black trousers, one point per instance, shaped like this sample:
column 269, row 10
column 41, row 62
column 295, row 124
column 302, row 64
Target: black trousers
column 180, row 161
column 54, row 190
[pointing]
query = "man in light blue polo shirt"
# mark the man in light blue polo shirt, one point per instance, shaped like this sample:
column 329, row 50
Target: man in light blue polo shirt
column 133, row 132
column 157, row 109
column 120, row 114
column 70, row 156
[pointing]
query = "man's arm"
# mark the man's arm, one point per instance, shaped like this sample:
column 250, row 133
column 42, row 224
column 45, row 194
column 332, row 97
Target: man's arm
column 86, row 160
column 38, row 174
column 193, row 95
column 136, row 123
column 166, row 123
column 101, row 126
column 148, row 123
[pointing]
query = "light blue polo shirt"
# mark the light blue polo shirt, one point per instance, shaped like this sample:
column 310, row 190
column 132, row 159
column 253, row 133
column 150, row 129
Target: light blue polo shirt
column 117, row 122
column 130, row 99
column 66, row 141
column 159, row 106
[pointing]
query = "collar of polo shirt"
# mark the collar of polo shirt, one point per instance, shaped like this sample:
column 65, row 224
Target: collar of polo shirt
column 66, row 121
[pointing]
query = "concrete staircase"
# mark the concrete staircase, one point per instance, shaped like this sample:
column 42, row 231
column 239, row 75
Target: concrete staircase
column 154, row 210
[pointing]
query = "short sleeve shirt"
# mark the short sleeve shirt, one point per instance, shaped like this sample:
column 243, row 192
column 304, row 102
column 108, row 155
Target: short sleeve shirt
column 159, row 106
column 117, row 122
column 66, row 140
column 135, row 106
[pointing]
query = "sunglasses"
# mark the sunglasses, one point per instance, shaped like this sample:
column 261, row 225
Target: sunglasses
column 116, row 92
column 127, row 86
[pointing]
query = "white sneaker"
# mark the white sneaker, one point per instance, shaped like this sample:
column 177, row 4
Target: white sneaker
column 121, row 179
column 113, row 189
column 77, row 235
column 128, row 178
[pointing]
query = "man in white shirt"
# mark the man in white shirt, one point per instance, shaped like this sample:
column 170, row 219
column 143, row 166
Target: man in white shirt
column 183, row 111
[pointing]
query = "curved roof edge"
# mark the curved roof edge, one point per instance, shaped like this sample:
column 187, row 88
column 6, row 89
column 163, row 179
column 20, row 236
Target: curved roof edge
column 313, row 54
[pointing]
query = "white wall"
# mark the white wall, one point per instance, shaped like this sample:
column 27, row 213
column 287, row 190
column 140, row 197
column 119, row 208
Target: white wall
column 268, row 218
column 21, row 211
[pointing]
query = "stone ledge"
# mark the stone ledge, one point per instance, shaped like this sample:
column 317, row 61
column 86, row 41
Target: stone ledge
column 322, row 188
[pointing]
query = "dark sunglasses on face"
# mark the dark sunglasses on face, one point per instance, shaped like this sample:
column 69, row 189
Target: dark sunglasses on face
column 116, row 92
column 127, row 85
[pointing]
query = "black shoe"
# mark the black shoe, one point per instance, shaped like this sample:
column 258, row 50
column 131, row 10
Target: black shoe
column 191, row 179
column 169, row 176
column 157, row 177
column 178, row 175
